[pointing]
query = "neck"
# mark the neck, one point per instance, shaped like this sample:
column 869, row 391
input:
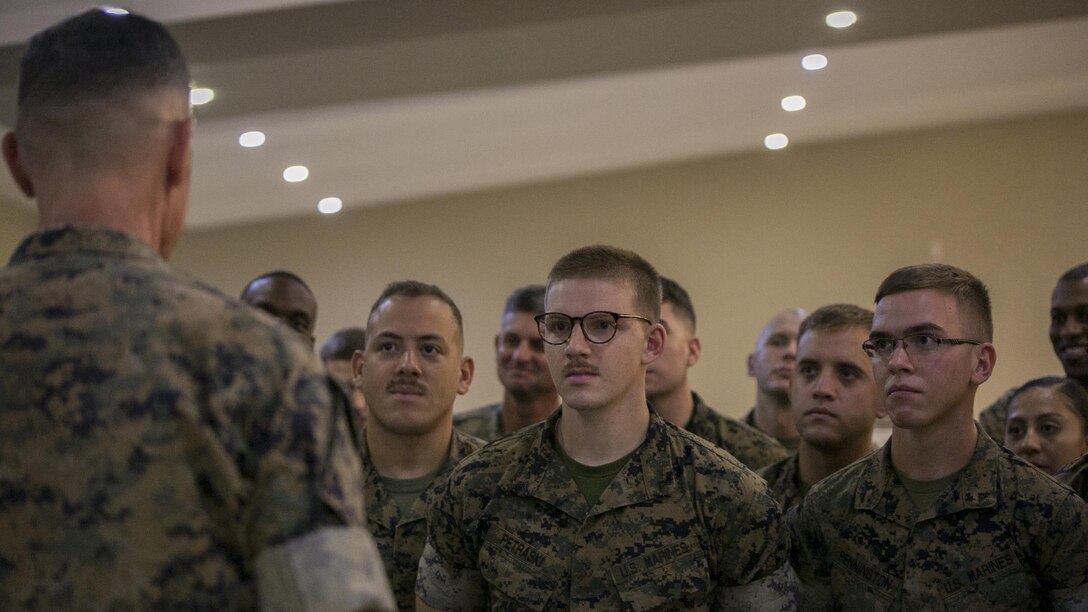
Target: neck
column 399, row 456
column 936, row 451
column 815, row 463
column 675, row 406
column 603, row 435
column 522, row 411
column 773, row 415
column 105, row 201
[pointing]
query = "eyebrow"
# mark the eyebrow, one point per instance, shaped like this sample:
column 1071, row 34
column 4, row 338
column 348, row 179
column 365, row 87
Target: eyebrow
column 922, row 328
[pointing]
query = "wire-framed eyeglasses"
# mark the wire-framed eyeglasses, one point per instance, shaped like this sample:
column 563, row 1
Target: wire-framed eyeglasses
column 916, row 345
column 598, row 326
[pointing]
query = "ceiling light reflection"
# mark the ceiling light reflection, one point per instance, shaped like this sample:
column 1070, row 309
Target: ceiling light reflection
column 815, row 61
column 296, row 174
column 841, row 19
column 251, row 139
column 330, row 206
column 793, row 103
column 775, row 142
column 201, row 95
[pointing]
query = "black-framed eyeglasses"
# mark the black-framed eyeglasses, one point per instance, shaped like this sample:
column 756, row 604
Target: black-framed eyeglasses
column 598, row 326
column 917, row 345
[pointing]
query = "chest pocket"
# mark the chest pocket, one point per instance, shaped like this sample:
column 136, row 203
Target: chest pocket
column 1011, row 588
column 516, row 573
column 675, row 577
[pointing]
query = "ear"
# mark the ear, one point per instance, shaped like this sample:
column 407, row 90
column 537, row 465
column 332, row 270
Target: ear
column 751, row 364
column 15, row 165
column 357, row 368
column 655, row 343
column 467, row 368
column 179, row 157
column 695, row 348
column 985, row 359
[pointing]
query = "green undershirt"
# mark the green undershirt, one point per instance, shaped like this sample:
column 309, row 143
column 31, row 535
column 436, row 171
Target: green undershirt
column 591, row 480
column 405, row 491
column 923, row 493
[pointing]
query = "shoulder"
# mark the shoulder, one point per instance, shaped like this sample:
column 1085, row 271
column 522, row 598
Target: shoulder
column 498, row 461
column 776, row 470
column 465, row 444
column 837, row 491
column 483, row 412
column 713, row 473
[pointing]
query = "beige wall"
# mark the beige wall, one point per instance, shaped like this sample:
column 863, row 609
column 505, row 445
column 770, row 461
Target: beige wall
column 747, row 235
column 15, row 223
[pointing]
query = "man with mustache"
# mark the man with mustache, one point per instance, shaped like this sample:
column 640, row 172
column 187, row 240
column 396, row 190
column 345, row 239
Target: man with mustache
column 834, row 399
column 771, row 364
column 670, row 394
column 411, row 371
column 1068, row 336
column 941, row 517
column 604, row 505
column 529, row 394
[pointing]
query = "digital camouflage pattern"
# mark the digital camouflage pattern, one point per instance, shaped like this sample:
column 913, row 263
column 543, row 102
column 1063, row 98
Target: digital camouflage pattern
column 484, row 422
column 995, row 415
column 682, row 526
column 784, row 482
column 400, row 539
column 1003, row 536
column 1076, row 476
column 749, row 445
column 156, row 437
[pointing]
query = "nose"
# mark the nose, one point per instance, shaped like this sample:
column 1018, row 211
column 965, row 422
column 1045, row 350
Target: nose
column 522, row 352
column 824, row 386
column 408, row 364
column 899, row 360
column 577, row 343
column 791, row 351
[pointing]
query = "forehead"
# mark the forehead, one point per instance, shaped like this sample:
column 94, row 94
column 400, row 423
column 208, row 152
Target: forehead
column 918, row 309
column 1039, row 401
column 578, row 296
column 833, row 345
column 787, row 322
column 518, row 322
column 1070, row 294
column 281, row 291
column 413, row 317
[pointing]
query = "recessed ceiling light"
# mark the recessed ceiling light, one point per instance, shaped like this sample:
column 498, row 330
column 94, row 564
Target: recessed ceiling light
column 330, row 205
column 201, row 95
column 793, row 103
column 296, row 174
column 841, row 19
column 251, row 139
column 113, row 10
column 815, row 61
column 775, row 142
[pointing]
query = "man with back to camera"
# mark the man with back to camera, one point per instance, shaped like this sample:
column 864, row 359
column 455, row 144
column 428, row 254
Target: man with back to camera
column 771, row 364
column 834, row 399
column 160, row 446
column 1068, row 336
column 670, row 394
column 411, row 371
column 605, row 504
column 529, row 394
column 941, row 516
column 336, row 353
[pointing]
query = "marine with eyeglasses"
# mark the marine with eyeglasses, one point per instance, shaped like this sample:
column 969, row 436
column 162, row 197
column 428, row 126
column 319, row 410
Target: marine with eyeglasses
column 605, row 505
column 941, row 517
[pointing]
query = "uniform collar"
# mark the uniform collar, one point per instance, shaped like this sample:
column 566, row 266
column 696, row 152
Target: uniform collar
column 977, row 485
column 82, row 239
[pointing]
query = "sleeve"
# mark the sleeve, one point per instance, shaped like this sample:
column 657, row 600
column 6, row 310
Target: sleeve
column 449, row 577
column 1062, row 545
column 808, row 557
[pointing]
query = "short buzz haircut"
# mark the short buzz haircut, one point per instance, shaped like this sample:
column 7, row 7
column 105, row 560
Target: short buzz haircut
column 414, row 289
column 616, row 265
column 673, row 293
column 970, row 293
column 835, row 317
column 277, row 274
column 95, row 56
column 343, row 343
column 1068, row 387
column 528, row 299
column 1075, row 274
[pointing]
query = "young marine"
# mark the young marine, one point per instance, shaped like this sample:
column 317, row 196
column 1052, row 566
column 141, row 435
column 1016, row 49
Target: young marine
column 604, row 505
column 670, row 394
column 771, row 364
column 411, row 371
column 834, row 399
column 942, row 516
column 529, row 394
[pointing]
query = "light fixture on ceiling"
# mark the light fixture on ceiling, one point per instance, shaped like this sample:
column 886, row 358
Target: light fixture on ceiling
column 296, row 174
column 793, row 103
column 201, row 95
column 330, row 206
column 841, row 19
column 114, row 10
column 775, row 142
column 814, row 61
column 251, row 139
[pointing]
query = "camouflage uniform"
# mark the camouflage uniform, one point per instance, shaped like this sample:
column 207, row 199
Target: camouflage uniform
column 1003, row 536
column 994, row 416
column 163, row 446
column 484, row 422
column 784, row 482
column 1076, row 476
column 400, row 539
column 749, row 445
column 681, row 524
column 789, row 444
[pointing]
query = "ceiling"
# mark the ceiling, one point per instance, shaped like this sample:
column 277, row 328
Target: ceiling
column 387, row 101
